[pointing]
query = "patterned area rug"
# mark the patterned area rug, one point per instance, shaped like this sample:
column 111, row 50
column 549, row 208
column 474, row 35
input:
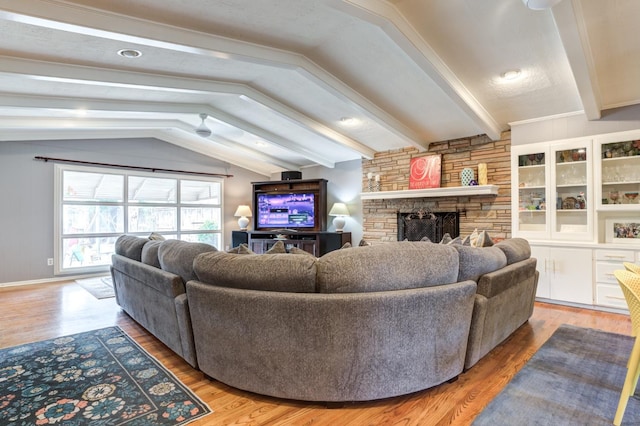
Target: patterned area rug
column 99, row 287
column 100, row 377
column 574, row 379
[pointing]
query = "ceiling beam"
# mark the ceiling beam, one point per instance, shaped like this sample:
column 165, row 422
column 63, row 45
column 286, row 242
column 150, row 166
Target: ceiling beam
column 388, row 18
column 71, row 18
column 74, row 74
column 569, row 20
column 172, row 131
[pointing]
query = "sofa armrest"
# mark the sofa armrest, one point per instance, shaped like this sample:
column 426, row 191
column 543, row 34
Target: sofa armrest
column 496, row 282
column 166, row 283
column 186, row 331
column 504, row 302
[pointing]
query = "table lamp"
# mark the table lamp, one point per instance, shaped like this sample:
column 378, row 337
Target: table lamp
column 244, row 213
column 340, row 211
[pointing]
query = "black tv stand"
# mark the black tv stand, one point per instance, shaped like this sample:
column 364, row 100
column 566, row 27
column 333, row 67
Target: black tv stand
column 316, row 243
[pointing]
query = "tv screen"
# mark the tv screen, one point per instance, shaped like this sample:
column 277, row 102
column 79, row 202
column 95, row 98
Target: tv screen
column 295, row 210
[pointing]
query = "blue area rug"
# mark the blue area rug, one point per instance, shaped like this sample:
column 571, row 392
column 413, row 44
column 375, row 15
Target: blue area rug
column 100, row 377
column 574, row 379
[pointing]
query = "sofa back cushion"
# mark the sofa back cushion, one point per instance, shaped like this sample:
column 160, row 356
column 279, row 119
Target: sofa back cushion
column 149, row 254
column 516, row 249
column 477, row 261
column 130, row 246
column 177, row 257
column 388, row 266
column 269, row 272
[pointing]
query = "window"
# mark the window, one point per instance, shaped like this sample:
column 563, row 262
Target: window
column 96, row 206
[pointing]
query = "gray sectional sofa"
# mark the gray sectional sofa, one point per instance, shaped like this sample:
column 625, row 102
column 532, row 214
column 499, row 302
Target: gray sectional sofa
column 356, row 324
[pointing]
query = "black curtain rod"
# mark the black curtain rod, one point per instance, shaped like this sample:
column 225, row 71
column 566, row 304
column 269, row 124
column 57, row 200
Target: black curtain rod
column 120, row 166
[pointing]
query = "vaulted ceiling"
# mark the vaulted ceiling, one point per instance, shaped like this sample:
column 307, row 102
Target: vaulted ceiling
column 288, row 84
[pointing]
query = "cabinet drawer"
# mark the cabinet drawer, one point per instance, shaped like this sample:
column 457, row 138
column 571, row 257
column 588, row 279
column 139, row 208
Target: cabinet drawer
column 615, row 255
column 604, row 272
column 610, row 295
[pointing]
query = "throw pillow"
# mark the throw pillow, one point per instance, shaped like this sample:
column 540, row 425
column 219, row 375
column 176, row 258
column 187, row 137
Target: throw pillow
column 446, row 239
column 346, row 245
column 241, row 249
column 456, row 241
column 156, row 237
column 297, row 250
column 473, row 238
column 244, row 249
column 484, row 240
column 425, row 239
column 278, row 247
column 364, row 242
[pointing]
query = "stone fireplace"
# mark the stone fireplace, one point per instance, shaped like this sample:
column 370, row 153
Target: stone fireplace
column 417, row 225
column 483, row 212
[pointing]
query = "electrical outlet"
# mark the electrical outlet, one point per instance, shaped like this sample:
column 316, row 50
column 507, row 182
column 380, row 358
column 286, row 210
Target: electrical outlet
column 50, row 262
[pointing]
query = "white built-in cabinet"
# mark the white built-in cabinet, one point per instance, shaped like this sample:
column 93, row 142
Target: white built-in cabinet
column 561, row 277
column 554, row 191
column 570, row 199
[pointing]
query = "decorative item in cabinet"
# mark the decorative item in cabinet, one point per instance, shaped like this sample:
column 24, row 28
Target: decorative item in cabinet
column 621, row 149
column 623, row 231
column 535, row 159
column 620, row 172
column 571, row 155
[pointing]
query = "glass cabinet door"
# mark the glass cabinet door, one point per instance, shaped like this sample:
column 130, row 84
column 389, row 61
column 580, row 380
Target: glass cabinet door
column 619, row 173
column 572, row 196
column 530, row 175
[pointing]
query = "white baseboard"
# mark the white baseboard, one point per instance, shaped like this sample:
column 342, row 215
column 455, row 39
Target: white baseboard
column 50, row 280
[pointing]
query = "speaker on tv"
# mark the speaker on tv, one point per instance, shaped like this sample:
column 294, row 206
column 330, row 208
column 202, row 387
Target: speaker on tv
column 291, row 175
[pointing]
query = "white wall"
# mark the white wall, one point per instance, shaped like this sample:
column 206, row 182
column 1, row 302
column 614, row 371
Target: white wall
column 26, row 188
column 575, row 125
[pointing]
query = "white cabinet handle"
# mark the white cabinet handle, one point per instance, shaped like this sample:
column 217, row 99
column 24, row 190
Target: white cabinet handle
column 615, row 297
column 611, row 256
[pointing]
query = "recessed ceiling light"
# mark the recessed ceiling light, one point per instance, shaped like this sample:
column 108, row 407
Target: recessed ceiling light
column 540, row 4
column 511, row 75
column 129, row 53
column 349, row 121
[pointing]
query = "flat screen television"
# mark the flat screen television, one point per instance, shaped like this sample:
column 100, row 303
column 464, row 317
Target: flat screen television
column 287, row 211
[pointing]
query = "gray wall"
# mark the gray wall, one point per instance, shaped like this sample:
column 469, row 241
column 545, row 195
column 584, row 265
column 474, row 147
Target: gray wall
column 345, row 185
column 26, row 188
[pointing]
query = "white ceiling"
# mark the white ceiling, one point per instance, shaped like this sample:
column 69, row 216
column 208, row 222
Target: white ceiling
column 277, row 76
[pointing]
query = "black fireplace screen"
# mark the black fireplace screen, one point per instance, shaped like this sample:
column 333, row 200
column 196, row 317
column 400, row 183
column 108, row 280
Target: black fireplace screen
column 415, row 226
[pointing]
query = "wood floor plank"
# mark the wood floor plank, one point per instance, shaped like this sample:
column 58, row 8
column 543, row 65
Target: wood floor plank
column 38, row 312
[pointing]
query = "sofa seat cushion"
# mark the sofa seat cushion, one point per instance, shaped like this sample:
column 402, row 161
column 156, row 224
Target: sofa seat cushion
column 177, row 257
column 477, row 261
column 268, row 272
column 389, row 266
column 516, row 249
column 130, row 246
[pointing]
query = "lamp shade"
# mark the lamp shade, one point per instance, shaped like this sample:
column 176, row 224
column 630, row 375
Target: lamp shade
column 339, row 210
column 244, row 212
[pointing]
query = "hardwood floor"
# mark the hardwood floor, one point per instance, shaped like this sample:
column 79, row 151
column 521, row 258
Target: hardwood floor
column 37, row 312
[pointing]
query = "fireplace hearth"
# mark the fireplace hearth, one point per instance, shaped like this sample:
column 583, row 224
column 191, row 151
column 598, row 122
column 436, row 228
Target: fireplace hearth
column 414, row 226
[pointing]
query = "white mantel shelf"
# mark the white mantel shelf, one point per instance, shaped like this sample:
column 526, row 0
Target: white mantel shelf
column 454, row 191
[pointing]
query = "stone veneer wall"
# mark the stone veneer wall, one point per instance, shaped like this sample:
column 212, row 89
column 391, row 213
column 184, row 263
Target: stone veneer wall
column 491, row 213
